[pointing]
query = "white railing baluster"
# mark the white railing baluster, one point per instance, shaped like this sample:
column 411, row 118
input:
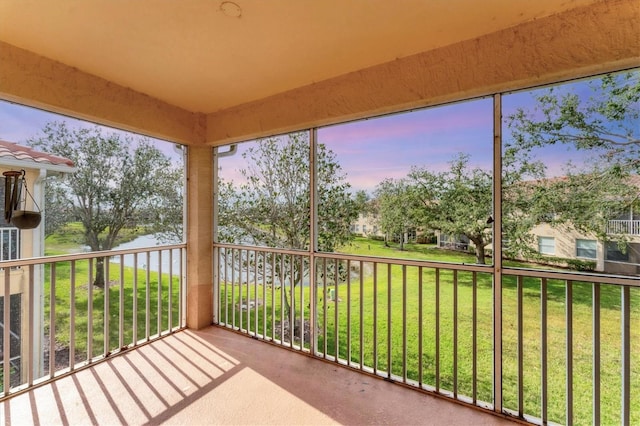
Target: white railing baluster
column 134, row 337
column 106, row 315
column 437, row 315
column 121, row 303
column 375, row 318
column 455, row 334
column 626, row 355
column 349, row 313
column 159, row 295
column 52, row 320
column 569, row 354
column 420, row 328
column 6, row 336
column 361, row 313
column 404, row 322
column 596, row 353
column 32, row 355
column 543, row 351
column 90, row 312
column 629, row 227
column 72, row 315
column 474, row 335
column 520, row 347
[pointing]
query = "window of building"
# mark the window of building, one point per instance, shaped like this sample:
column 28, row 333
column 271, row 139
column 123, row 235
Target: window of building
column 357, row 228
column 9, row 243
column 364, row 228
column 547, row 245
column 615, row 252
column 586, row 248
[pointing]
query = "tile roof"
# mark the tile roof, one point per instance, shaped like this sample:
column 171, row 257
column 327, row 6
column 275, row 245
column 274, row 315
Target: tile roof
column 10, row 150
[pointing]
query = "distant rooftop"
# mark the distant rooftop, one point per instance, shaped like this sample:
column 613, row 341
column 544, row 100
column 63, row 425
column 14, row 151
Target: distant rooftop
column 12, row 153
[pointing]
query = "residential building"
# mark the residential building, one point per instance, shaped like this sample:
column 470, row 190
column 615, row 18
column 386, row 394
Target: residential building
column 25, row 243
column 367, row 225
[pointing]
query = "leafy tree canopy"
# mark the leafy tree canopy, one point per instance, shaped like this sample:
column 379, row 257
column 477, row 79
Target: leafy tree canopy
column 271, row 206
column 117, row 177
column 604, row 125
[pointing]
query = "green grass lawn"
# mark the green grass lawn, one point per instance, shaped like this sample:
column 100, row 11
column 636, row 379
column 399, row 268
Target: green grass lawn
column 343, row 324
column 410, row 305
column 149, row 286
column 147, row 325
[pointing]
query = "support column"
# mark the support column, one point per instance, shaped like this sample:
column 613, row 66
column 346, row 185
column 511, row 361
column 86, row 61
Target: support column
column 199, row 236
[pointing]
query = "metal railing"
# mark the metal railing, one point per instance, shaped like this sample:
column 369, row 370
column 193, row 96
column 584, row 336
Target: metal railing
column 566, row 338
column 628, row 227
column 79, row 323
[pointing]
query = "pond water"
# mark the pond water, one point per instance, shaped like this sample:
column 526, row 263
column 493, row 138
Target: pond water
column 153, row 259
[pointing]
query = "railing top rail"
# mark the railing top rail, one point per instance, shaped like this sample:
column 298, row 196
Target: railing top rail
column 86, row 255
column 294, row 252
column 357, row 258
column 472, row 267
column 533, row 273
column 574, row 276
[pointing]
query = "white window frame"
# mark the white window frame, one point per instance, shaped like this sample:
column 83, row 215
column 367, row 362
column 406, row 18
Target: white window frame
column 13, row 238
column 593, row 246
column 547, row 245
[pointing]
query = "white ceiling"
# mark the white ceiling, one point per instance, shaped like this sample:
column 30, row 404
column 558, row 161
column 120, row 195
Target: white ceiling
column 191, row 54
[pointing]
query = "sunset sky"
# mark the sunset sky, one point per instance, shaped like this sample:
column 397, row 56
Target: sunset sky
column 368, row 150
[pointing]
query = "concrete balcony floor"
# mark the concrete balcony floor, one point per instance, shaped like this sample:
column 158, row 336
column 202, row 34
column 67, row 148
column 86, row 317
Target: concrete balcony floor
column 215, row 376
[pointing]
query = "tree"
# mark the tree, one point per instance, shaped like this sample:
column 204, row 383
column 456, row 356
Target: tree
column 457, row 201
column 116, row 178
column 604, row 124
column 271, row 206
column 166, row 208
column 395, row 204
column 363, row 203
column 58, row 211
column 585, row 198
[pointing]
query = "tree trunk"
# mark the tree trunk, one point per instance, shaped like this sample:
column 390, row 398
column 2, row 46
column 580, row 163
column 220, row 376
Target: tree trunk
column 287, row 305
column 99, row 279
column 480, row 254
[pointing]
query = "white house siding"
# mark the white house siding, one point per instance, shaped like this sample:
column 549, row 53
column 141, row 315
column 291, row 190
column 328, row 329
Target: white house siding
column 565, row 247
column 565, row 243
column 367, row 225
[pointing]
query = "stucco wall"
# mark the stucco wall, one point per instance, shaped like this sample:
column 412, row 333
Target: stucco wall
column 599, row 38
column 565, row 243
column 40, row 82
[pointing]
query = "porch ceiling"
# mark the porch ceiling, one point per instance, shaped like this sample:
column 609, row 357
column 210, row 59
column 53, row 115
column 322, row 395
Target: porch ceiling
column 192, row 55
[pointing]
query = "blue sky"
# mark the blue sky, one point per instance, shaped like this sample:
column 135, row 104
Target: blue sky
column 389, row 146
column 19, row 123
column 373, row 149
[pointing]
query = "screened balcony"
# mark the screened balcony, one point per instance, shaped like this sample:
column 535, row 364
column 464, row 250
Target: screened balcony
column 473, row 343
